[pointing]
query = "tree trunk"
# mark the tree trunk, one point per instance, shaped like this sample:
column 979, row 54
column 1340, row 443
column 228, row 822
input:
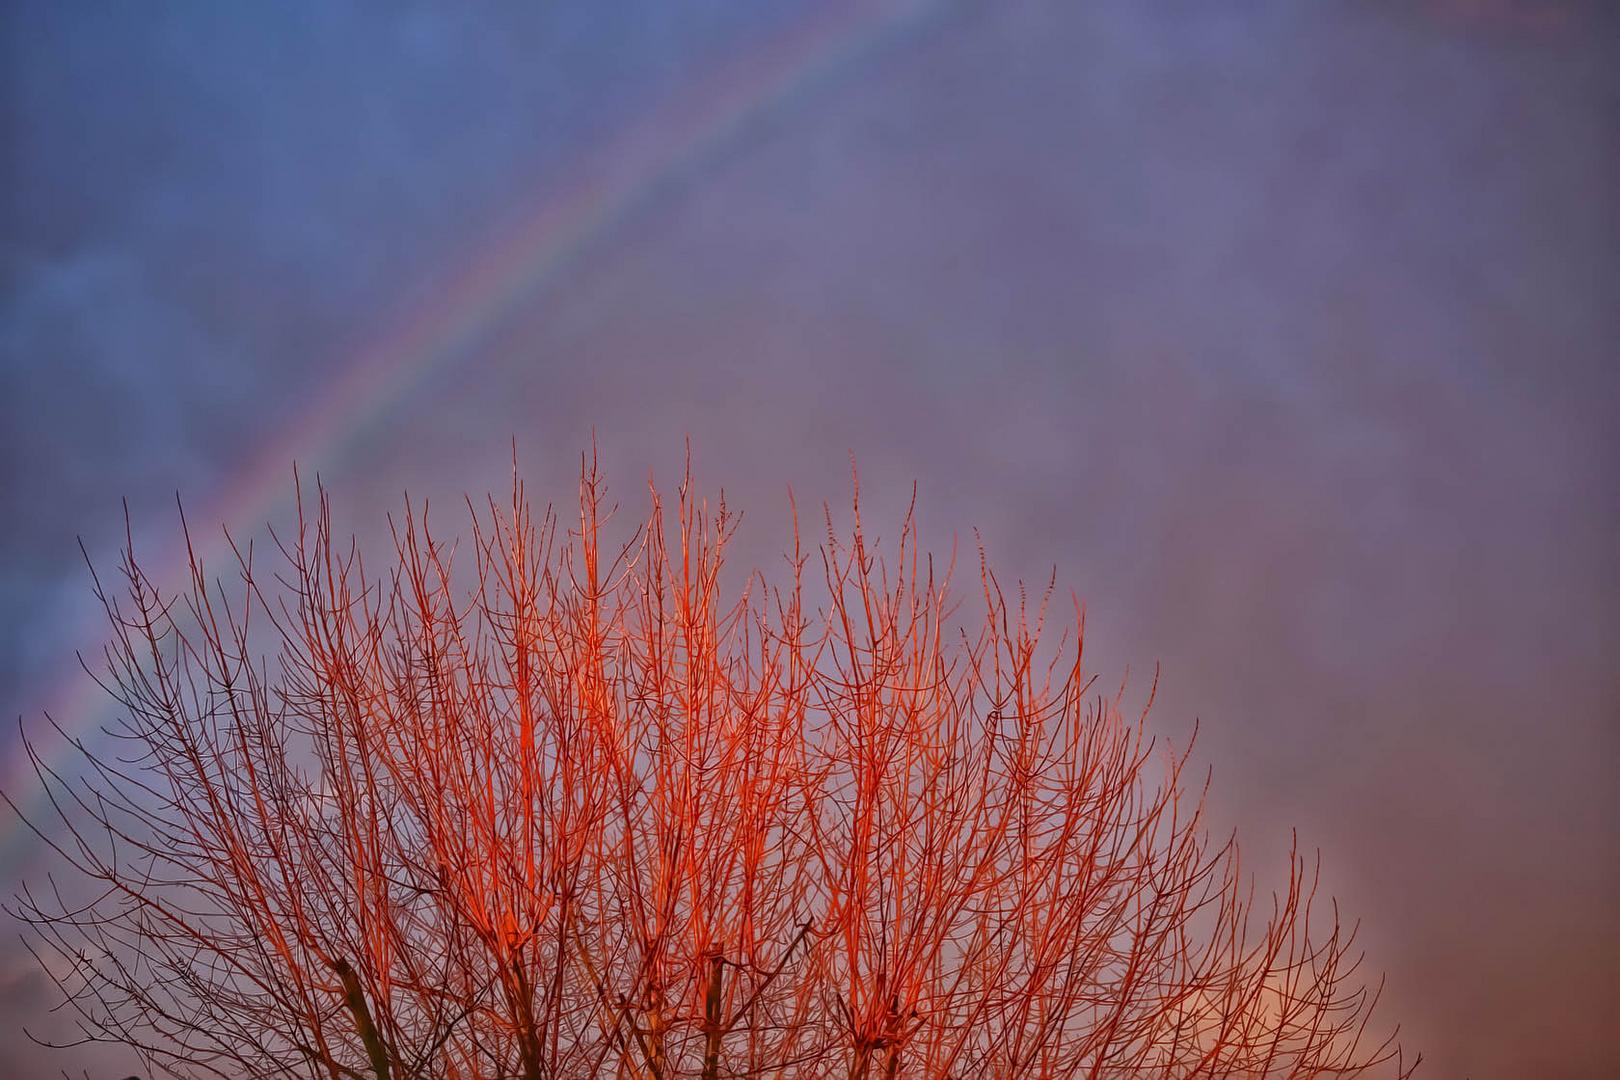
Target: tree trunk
column 712, row 1026
column 356, row 1000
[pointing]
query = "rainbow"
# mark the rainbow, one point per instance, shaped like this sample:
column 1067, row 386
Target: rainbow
column 503, row 271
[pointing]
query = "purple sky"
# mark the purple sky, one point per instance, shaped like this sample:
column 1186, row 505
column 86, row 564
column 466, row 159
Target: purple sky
column 1287, row 332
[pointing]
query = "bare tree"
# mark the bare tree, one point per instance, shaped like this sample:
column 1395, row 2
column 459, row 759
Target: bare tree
column 577, row 810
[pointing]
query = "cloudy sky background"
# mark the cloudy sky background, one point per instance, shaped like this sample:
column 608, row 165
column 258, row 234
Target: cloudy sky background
column 1286, row 332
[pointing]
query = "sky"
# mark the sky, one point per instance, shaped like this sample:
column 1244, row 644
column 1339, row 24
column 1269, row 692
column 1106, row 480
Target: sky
column 1285, row 333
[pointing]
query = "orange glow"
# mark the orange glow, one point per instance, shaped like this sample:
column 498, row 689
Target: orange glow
column 587, row 813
